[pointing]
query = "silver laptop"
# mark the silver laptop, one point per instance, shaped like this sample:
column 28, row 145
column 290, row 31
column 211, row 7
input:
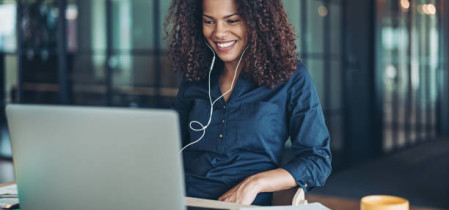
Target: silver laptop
column 96, row 158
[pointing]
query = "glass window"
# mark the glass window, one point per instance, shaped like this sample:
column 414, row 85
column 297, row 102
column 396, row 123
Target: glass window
column 11, row 80
column 87, row 68
column 336, row 83
column 335, row 28
column 86, row 40
column 164, row 5
column 409, row 60
column 316, row 69
column 39, row 26
column 91, row 19
column 133, row 70
column 8, row 26
column 133, row 24
column 316, row 12
column 293, row 10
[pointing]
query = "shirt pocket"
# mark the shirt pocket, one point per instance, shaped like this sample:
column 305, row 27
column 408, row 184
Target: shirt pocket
column 259, row 125
column 200, row 113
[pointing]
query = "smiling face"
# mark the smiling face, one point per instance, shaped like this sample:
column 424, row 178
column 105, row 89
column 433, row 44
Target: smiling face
column 224, row 29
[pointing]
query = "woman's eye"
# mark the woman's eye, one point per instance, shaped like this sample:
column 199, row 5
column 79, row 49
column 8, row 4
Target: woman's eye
column 233, row 21
column 208, row 21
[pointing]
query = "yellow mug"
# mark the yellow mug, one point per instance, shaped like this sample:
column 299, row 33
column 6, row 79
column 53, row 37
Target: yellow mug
column 383, row 202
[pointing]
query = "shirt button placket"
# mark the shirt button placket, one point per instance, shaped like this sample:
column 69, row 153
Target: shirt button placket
column 224, row 116
column 222, row 126
column 223, row 129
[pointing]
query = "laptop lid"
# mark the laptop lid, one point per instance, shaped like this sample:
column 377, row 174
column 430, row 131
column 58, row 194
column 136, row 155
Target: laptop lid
column 96, row 158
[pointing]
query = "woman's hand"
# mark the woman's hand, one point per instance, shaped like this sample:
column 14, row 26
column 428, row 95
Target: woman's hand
column 243, row 193
column 268, row 181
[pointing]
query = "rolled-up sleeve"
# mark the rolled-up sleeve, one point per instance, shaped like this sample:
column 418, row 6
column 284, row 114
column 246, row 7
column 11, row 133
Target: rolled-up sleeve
column 309, row 135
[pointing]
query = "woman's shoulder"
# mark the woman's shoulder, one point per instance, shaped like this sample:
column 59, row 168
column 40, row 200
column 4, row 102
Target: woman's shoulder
column 300, row 76
column 192, row 89
column 301, row 71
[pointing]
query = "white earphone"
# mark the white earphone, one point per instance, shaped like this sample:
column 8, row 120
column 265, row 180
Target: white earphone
column 203, row 127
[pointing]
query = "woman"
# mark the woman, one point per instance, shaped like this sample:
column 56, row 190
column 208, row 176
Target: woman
column 244, row 94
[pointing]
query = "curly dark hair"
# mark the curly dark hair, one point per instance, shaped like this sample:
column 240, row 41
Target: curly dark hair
column 271, row 56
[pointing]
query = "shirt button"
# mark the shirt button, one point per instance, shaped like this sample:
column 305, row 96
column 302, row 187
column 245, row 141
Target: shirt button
column 221, row 135
column 223, row 121
column 327, row 156
column 224, row 107
column 305, row 185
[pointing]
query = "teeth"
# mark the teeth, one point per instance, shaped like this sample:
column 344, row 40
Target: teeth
column 226, row 44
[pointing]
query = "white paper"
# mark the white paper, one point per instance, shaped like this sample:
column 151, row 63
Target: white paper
column 6, row 202
column 310, row 206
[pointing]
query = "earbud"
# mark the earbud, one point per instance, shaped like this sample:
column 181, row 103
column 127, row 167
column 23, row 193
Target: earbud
column 203, row 127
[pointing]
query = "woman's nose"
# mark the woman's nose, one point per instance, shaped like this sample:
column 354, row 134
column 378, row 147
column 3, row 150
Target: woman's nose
column 221, row 31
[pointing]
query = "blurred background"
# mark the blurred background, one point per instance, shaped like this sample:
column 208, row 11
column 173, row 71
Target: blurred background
column 380, row 67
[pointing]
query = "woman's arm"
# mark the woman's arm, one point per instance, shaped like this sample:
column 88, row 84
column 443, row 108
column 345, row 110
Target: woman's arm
column 268, row 181
column 309, row 135
column 310, row 139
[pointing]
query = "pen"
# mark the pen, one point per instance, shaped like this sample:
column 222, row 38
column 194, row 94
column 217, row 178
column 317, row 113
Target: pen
column 9, row 196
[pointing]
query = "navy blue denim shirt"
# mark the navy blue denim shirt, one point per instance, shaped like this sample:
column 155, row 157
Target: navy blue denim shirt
column 247, row 134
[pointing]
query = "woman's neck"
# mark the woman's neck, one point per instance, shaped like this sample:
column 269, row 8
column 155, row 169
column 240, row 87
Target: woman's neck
column 229, row 69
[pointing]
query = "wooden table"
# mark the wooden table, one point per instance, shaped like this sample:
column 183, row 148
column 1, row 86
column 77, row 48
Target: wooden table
column 339, row 203
column 197, row 202
column 332, row 202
